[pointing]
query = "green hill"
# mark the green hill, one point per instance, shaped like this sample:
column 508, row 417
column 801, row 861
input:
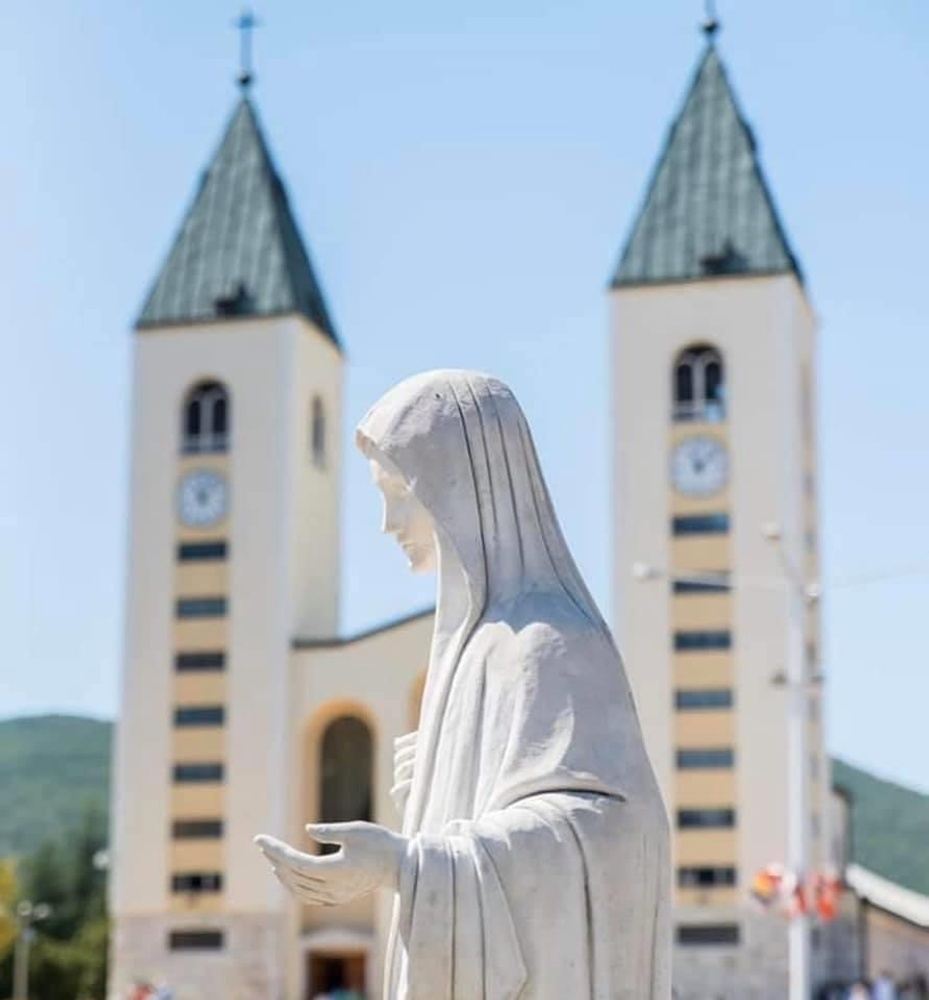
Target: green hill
column 51, row 766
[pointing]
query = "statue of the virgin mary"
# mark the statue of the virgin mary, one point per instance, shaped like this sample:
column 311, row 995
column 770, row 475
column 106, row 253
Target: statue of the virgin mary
column 533, row 860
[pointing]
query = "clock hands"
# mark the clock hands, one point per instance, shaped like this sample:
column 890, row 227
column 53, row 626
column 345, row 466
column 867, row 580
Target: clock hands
column 700, row 465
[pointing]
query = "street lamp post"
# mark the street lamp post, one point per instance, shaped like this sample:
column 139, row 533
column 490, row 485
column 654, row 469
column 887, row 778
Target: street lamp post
column 796, row 686
column 27, row 914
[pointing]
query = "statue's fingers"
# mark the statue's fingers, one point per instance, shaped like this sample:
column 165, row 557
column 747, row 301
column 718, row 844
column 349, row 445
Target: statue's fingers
column 407, row 739
column 312, row 865
column 306, row 888
column 270, row 845
column 304, row 876
column 285, row 879
column 301, row 875
column 401, row 789
column 404, row 766
column 263, row 840
column 330, row 833
column 402, row 783
column 312, row 891
column 309, row 890
column 276, row 851
column 404, row 772
column 285, row 860
column 399, row 795
column 310, row 883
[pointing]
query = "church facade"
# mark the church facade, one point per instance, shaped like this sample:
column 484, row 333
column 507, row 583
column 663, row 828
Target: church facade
column 243, row 710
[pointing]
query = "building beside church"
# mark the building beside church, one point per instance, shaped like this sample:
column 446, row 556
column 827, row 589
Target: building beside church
column 243, row 710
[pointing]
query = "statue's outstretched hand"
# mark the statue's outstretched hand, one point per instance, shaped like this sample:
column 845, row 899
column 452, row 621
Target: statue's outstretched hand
column 369, row 859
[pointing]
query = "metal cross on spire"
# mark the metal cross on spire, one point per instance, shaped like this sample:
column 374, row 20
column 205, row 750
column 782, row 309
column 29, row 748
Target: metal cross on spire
column 246, row 23
column 710, row 24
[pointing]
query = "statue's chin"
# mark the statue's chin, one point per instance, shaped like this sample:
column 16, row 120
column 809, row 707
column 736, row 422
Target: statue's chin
column 420, row 560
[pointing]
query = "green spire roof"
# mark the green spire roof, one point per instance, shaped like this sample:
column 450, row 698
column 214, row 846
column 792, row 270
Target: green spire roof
column 708, row 210
column 238, row 252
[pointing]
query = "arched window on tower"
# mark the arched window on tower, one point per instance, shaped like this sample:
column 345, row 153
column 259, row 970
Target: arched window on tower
column 698, row 385
column 206, row 419
column 345, row 772
column 318, row 432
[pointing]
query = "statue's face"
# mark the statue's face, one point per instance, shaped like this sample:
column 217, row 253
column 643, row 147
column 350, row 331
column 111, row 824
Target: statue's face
column 406, row 519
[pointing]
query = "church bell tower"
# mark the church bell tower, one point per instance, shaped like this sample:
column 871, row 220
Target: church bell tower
column 713, row 374
column 233, row 550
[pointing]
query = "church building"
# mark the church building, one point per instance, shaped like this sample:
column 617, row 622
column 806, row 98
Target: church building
column 243, row 709
column 715, row 528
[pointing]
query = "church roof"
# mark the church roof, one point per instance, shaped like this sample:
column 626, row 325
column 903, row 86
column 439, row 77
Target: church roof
column 708, row 210
column 334, row 642
column 239, row 251
column 887, row 819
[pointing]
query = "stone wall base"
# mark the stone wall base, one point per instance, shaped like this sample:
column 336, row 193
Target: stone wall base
column 249, row 966
column 755, row 969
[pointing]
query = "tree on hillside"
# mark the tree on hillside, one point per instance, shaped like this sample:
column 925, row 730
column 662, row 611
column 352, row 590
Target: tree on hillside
column 43, row 879
column 7, row 907
column 68, row 958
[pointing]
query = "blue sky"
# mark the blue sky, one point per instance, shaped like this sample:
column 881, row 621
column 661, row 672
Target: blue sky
column 465, row 176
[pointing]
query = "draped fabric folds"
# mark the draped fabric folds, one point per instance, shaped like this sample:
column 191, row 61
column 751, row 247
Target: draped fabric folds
column 538, row 858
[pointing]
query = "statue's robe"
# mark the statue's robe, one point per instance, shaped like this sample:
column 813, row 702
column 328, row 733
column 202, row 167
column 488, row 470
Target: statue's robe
column 538, row 860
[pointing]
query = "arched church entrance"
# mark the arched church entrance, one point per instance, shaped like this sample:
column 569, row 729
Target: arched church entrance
column 339, row 787
column 340, row 974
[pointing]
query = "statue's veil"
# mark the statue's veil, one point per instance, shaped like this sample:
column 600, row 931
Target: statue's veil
column 462, row 443
column 526, row 705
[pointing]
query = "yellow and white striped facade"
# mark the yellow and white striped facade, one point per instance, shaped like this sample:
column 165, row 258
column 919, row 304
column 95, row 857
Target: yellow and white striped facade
column 725, row 765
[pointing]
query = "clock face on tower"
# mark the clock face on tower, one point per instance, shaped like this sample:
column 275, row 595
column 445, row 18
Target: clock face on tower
column 202, row 498
column 699, row 466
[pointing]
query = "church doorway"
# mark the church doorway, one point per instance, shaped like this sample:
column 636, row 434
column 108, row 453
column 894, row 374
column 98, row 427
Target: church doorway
column 339, row 975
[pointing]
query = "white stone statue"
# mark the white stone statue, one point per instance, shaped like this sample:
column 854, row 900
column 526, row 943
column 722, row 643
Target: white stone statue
column 533, row 861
